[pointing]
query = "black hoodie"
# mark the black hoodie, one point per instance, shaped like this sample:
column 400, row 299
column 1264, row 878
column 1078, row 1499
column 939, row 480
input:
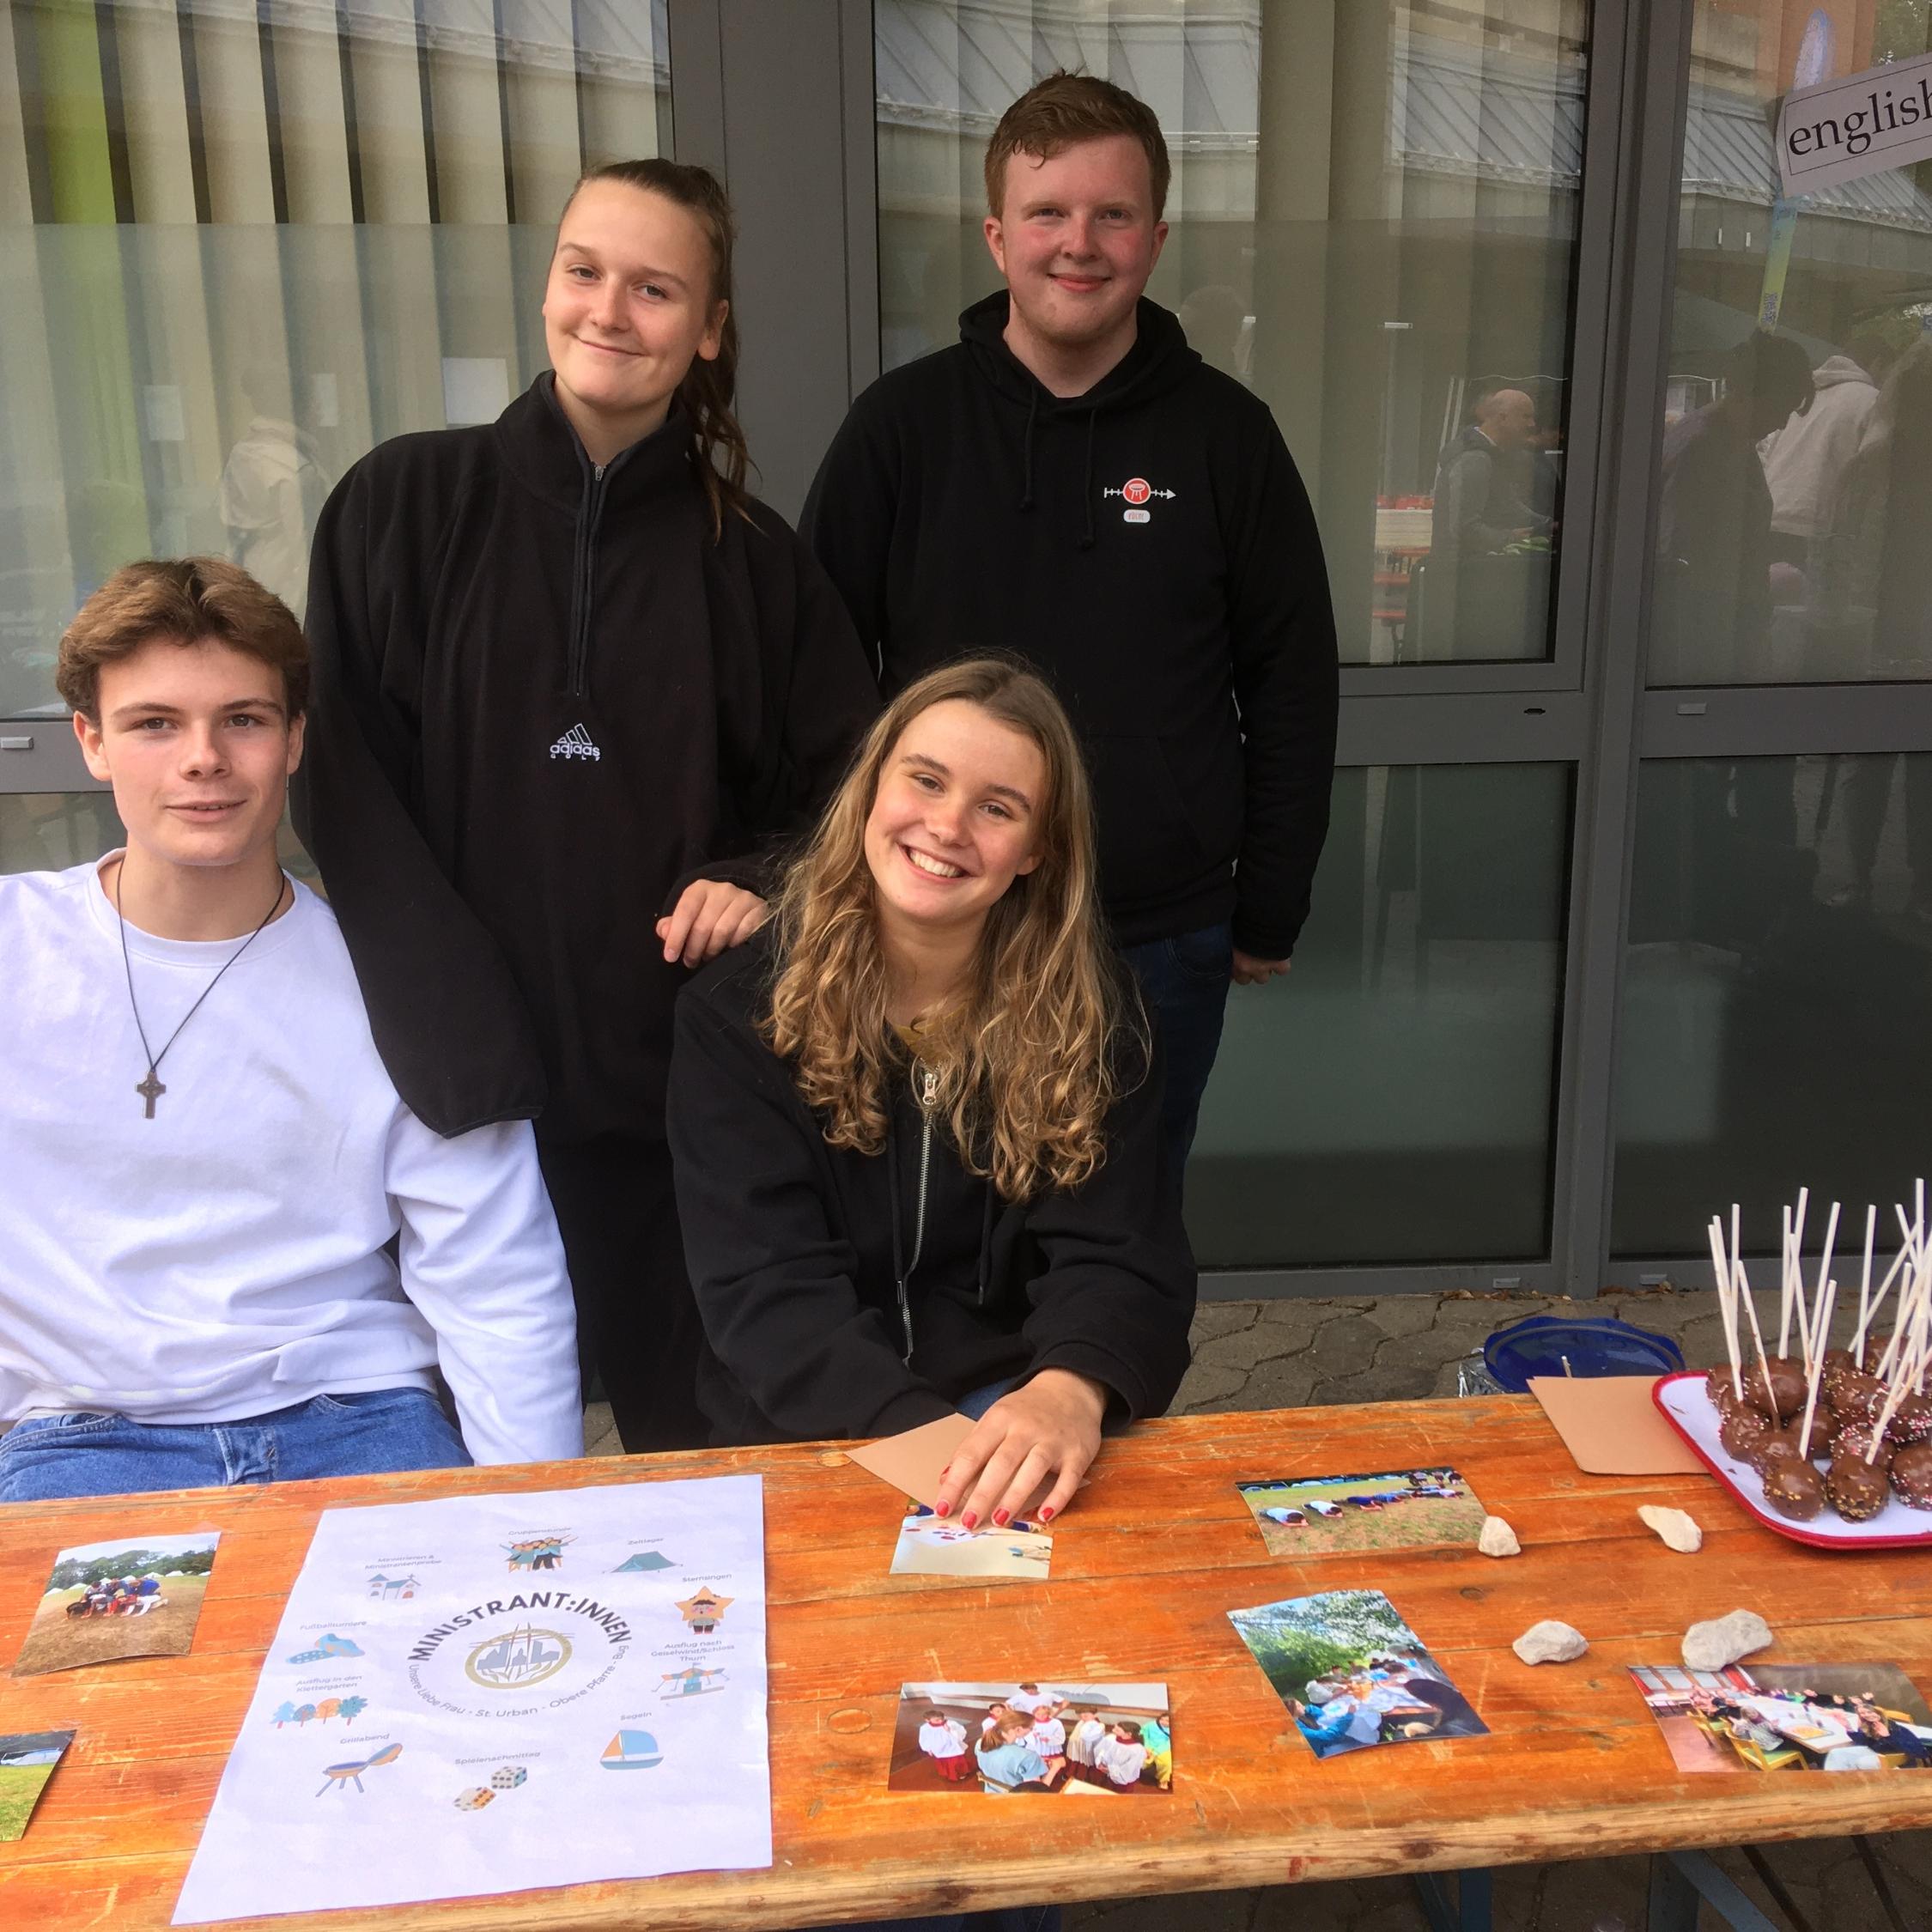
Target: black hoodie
column 544, row 695
column 1149, row 545
column 796, row 1249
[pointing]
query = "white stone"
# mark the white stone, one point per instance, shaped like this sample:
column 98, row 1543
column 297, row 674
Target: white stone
column 1676, row 1527
column 1723, row 1640
column 1497, row 1539
column 1550, row 1642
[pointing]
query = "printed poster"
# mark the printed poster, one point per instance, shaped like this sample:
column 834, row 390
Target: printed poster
column 488, row 1693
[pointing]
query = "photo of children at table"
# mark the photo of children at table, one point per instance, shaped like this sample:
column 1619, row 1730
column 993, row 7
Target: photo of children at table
column 1091, row 1741
column 1827, row 1718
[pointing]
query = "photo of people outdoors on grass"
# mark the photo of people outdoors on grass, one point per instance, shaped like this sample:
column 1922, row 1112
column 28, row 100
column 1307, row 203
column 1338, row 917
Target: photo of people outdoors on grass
column 1406, row 1509
column 26, row 1762
column 138, row 1597
column 1092, row 1740
column 1831, row 1718
column 936, row 1546
column 1353, row 1673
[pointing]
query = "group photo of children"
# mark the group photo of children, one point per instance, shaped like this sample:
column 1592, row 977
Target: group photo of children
column 1093, row 1739
column 1774, row 1717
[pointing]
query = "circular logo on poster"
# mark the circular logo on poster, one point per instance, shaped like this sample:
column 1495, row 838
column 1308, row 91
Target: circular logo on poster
column 1137, row 489
column 513, row 1660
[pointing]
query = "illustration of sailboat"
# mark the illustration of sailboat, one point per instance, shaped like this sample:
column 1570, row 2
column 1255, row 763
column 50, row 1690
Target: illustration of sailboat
column 632, row 1751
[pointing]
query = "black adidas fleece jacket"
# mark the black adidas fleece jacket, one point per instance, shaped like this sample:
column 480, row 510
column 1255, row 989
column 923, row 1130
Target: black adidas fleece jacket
column 544, row 696
column 1149, row 546
column 796, row 1250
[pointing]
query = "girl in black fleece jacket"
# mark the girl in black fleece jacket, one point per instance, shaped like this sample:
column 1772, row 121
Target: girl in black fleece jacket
column 568, row 680
column 915, row 1121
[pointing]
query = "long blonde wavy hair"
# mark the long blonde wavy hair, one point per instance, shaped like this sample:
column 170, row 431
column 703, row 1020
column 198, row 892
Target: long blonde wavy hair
column 1024, row 1072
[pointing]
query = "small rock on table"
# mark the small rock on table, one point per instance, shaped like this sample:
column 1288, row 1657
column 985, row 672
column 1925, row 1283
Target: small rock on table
column 1550, row 1642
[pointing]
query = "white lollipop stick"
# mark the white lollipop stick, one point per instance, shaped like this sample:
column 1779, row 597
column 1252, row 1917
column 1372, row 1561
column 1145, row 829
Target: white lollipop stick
column 1821, row 1328
column 1727, row 1302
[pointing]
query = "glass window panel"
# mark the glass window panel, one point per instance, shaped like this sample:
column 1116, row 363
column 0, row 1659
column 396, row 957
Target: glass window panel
column 1373, row 214
column 1778, row 992
column 243, row 240
column 49, row 831
column 1393, row 1100
column 1795, row 536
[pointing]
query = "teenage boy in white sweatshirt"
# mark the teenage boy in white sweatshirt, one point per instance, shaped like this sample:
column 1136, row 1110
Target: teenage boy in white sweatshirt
column 234, row 1256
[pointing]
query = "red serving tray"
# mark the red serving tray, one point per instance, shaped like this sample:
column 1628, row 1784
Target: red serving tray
column 1688, row 1411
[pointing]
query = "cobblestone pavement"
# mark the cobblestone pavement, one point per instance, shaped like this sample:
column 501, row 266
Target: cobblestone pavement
column 1293, row 1354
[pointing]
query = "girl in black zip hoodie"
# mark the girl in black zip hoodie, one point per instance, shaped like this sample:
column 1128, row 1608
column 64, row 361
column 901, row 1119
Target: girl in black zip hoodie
column 915, row 1121
column 569, row 680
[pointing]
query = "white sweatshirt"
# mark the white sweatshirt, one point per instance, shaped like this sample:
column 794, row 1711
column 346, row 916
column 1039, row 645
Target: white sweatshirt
column 228, row 1257
column 949, row 1742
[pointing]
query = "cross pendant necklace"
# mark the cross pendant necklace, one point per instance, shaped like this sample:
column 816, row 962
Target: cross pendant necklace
column 149, row 1087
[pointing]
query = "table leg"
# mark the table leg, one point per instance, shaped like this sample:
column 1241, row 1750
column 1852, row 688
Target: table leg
column 1468, row 1911
column 1679, row 1879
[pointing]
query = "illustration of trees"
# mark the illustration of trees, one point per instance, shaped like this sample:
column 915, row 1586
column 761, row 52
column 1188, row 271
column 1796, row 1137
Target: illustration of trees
column 304, row 1713
column 284, row 1714
column 328, row 1708
column 352, row 1708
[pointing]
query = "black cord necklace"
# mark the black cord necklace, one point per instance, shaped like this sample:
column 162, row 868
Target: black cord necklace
column 149, row 1088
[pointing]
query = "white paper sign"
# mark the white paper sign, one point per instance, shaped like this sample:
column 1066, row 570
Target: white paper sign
column 491, row 1692
column 1863, row 125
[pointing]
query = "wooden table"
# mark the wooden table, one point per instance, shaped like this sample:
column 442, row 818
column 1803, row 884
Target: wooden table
column 1156, row 1551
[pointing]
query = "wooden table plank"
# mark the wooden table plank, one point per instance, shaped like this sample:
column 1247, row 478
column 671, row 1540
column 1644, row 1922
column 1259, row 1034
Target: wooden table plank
column 1157, row 1550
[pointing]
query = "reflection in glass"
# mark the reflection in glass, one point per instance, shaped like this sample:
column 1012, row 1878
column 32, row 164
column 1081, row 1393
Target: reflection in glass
column 1795, row 541
column 1777, row 1019
column 1392, row 1100
column 1373, row 211
column 241, row 244
column 49, row 831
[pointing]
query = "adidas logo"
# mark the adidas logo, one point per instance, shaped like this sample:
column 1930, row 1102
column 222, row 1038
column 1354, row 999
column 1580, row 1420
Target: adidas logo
column 576, row 744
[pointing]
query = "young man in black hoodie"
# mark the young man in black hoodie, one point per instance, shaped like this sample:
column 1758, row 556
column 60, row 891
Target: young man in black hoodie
column 1072, row 482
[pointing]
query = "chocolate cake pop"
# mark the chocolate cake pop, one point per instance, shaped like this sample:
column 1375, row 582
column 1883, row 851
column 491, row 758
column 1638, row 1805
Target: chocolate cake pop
column 1911, row 1476
column 1856, row 1489
column 1911, row 1421
column 1788, row 1387
column 1744, row 1434
column 1854, row 1439
column 1794, row 1488
column 1837, row 1361
column 1858, row 1397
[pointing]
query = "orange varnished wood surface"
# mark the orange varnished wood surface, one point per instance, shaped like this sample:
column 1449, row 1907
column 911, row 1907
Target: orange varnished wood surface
column 1157, row 1549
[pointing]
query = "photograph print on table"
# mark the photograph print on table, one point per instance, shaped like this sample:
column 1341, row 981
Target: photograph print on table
column 137, row 1596
column 26, row 1762
column 1406, row 1509
column 1353, row 1673
column 935, row 1546
column 1826, row 1716
column 1025, row 1735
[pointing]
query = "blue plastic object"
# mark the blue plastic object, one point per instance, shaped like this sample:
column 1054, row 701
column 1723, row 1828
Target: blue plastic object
column 1558, row 1344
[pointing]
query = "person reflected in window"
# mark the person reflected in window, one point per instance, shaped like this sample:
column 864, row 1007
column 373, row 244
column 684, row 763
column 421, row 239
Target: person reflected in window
column 915, row 1122
column 571, row 680
column 1482, row 484
column 1714, row 521
column 1070, row 480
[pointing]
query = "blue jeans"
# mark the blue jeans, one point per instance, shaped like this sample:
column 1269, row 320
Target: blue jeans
column 85, row 1453
column 1184, row 980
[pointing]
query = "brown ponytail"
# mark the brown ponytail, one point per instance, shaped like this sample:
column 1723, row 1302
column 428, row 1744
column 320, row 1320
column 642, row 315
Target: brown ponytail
column 706, row 391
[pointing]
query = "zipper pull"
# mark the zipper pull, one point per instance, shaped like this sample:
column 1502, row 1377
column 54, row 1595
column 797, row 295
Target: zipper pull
column 929, row 1088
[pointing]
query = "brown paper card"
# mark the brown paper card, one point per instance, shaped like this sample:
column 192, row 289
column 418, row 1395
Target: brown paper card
column 1611, row 1427
column 913, row 1462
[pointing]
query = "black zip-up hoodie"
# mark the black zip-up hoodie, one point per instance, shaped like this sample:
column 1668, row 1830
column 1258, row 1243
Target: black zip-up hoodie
column 1150, row 546
column 543, row 697
column 847, row 1294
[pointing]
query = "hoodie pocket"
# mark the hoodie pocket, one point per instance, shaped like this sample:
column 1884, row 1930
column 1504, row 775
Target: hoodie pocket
column 1149, row 845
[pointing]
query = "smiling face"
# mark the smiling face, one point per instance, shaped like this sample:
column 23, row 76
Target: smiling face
column 628, row 308
column 1076, row 239
column 955, row 819
column 198, row 742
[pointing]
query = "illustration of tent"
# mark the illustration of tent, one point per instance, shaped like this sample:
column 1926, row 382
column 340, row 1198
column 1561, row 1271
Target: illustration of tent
column 645, row 1559
column 702, row 1611
column 632, row 1751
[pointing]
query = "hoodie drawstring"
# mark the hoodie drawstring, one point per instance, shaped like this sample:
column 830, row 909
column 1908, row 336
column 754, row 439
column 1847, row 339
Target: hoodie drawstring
column 1086, row 483
column 1026, row 471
